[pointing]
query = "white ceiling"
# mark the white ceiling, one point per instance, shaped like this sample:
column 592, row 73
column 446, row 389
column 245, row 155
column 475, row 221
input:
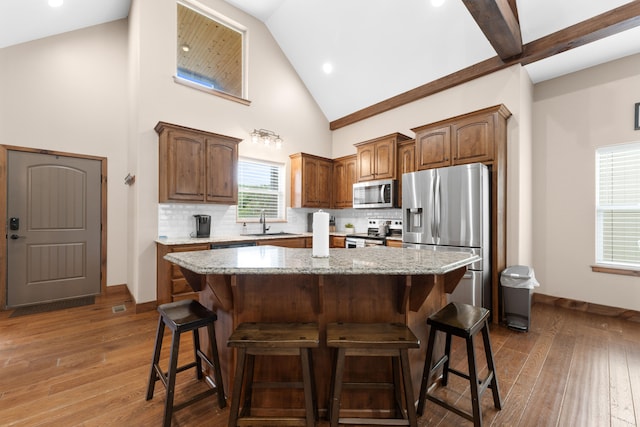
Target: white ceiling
column 381, row 48
column 25, row 20
column 378, row 48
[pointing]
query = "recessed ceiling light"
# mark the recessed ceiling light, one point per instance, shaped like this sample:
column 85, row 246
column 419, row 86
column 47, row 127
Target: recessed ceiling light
column 437, row 3
column 55, row 3
column 327, row 68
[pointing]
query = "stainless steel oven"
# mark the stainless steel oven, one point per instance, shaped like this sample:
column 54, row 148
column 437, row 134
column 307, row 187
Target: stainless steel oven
column 377, row 231
column 362, row 241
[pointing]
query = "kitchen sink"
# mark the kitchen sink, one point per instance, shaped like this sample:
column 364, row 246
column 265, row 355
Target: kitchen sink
column 277, row 233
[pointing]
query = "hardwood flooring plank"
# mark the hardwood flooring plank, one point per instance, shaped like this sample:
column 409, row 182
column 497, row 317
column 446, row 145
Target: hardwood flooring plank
column 633, row 363
column 516, row 401
column 543, row 408
column 87, row 366
column 620, row 385
column 537, row 358
column 586, row 401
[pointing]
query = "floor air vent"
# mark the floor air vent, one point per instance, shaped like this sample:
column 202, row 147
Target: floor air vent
column 118, row 308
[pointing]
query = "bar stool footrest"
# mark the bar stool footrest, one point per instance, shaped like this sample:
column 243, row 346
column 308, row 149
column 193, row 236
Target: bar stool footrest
column 162, row 376
column 367, row 386
column 482, row 385
column 450, row 407
column 277, row 384
column 375, row 421
column 439, row 363
column 270, row 422
column 195, row 398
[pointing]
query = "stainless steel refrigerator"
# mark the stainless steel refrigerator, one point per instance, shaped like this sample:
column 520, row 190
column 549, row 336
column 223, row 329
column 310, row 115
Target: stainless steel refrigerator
column 449, row 209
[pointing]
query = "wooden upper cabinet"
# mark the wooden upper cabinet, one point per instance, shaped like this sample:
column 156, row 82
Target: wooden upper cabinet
column 222, row 171
column 182, row 166
column 469, row 138
column 196, row 166
column 406, row 157
column 311, row 181
column 406, row 163
column 473, row 139
column 366, row 163
column 433, row 148
column 376, row 159
column 344, row 176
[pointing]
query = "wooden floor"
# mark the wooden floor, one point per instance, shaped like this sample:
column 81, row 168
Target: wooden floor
column 88, row 366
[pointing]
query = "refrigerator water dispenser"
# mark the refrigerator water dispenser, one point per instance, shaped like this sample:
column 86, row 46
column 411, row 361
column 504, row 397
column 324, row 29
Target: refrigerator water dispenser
column 414, row 220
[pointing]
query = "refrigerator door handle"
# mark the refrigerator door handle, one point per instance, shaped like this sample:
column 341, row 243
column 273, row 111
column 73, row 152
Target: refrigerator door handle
column 436, row 208
column 433, row 211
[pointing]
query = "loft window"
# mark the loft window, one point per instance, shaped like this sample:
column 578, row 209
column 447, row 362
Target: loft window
column 618, row 206
column 260, row 187
column 210, row 51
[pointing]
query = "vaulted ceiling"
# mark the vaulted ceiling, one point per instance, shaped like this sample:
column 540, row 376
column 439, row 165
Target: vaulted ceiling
column 386, row 53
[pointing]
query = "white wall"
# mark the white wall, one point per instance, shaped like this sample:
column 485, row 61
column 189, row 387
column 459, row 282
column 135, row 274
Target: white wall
column 101, row 90
column 573, row 115
column 68, row 93
column 511, row 87
column 279, row 102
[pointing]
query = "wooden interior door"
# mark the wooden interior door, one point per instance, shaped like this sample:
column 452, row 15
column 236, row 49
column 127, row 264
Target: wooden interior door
column 54, row 227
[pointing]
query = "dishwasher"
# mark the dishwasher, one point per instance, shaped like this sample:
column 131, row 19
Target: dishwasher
column 232, row 245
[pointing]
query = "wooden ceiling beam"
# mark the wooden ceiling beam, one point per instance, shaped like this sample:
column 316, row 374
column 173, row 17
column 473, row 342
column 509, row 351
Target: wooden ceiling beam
column 609, row 23
column 480, row 69
column 604, row 25
column 499, row 25
column 514, row 8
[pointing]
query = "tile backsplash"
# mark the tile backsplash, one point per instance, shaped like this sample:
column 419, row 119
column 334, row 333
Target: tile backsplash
column 175, row 220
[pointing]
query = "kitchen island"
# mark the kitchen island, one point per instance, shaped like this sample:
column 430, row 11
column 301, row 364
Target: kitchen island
column 276, row 284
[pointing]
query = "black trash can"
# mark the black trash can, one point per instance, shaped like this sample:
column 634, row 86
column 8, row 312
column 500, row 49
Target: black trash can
column 517, row 283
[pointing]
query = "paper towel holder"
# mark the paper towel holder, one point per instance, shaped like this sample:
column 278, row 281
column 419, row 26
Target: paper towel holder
column 320, row 239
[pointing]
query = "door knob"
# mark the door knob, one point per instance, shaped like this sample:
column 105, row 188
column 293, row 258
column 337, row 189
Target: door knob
column 16, row 237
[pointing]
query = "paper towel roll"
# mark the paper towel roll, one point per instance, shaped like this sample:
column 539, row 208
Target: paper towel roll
column 320, row 241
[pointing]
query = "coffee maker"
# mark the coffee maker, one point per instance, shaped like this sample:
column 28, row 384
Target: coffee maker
column 203, row 225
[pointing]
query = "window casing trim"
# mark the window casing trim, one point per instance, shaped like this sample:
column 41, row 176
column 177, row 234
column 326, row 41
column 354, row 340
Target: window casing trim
column 234, row 25
column 616, row 208
column 281, row 193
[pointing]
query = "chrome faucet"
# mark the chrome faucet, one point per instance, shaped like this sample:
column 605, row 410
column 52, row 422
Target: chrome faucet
column 263, row 221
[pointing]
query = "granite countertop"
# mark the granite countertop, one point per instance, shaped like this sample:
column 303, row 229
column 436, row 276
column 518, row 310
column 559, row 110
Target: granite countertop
column 279, row 260
column 168, row 241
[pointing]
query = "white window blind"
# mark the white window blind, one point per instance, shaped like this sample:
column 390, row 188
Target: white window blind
column 260, row 187
column 618, row 205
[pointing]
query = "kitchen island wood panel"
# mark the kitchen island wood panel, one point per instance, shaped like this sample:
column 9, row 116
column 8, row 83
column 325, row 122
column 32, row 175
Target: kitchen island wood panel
column 272, row 284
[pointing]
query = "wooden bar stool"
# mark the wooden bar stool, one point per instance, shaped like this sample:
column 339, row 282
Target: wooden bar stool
column 185, row 316
column 273, row 339
column 461, row 320
column 373, row 339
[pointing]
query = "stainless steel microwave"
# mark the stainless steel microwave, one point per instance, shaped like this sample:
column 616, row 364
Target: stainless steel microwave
column 374, row 194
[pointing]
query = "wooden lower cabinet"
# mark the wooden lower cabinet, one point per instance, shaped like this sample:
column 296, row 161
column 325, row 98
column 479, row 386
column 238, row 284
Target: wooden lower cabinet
column 170, row 283
column 394, row 243
column 337, row 242
column 296, row 242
